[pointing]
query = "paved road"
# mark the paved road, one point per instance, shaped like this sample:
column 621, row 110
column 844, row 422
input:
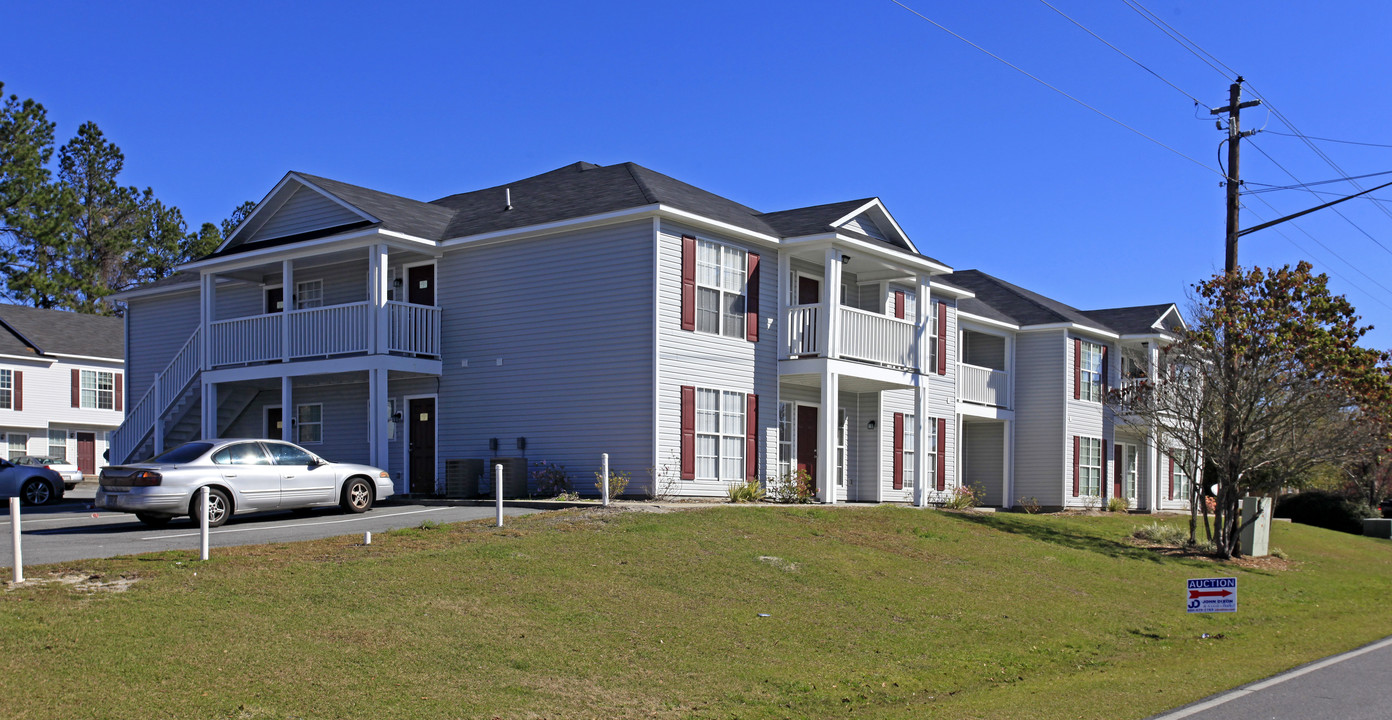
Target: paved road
column 1356, row 685
column 72, row 530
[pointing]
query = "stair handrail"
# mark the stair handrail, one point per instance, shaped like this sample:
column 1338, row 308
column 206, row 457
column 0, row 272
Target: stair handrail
column 168, row 386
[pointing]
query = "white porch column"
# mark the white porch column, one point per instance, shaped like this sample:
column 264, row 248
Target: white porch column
column 785, row 269
column 287, row 290
column 156, row 397
column 826, row 436
column 287, row 409
column 377, row 417
column 922, row 317
column 377, row 294
column 831, row 304
column 206, row 313
column 921, row 448
column 209, row 410
column 1008, row 464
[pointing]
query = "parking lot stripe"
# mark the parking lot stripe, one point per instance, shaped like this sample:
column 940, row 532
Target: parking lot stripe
column 308, row 524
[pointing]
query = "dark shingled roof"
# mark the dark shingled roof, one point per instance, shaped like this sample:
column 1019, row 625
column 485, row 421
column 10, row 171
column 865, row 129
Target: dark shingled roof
column 810, row 220
column 397, row 213
column 60, row 331
column 1000, row 300
column 1136, row 320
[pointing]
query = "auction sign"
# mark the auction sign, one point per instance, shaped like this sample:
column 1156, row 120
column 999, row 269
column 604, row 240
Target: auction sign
column 1212, row 595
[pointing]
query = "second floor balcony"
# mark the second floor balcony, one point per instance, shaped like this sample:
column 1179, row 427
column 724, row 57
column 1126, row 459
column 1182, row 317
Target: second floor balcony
column 862, row 335
column 333, row 330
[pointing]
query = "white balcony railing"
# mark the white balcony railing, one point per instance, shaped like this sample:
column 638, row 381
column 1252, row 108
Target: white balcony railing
column 983, row 385
column 802, row 330
column 877, row 338
column 323, row 331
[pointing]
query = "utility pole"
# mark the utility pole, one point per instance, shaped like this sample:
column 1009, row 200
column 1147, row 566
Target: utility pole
column 1234, row 182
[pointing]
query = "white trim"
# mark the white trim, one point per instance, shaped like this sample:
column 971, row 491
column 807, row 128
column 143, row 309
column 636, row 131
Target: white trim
column 265, row 427
column 352, row 240
column 406, row 438
column 434, row 278
column 300, row 368
column 269, row 208
column 951, row 291
column 1071, row 326
column 875, row 204
column 42, row 358
column 985, row 321
column 79, row 357
column 300, row 425
column 896, row 256
column 558, row 226
column 657, row 363
column 798, row 275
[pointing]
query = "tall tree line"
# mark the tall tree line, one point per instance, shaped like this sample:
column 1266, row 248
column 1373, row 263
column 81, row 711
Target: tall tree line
column 71, row 234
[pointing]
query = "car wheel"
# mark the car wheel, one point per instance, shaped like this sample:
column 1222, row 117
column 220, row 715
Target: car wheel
column 154, row 520
column 38, row 492
column 357, row 496
column 219, row 507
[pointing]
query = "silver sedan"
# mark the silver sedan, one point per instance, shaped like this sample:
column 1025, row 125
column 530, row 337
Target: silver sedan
column 33, row 485
column 242, row 475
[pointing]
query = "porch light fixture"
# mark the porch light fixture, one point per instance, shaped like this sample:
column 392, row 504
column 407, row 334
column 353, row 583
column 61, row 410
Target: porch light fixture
column 396, row 283
column 870, row 425
column 521, row 443
column 395, row 417
column 845, row 259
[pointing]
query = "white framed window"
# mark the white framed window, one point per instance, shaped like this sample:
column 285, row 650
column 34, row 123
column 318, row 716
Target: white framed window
column 392, row 422
column 931, row 477
column 309, row 424
column 98, row 390
column 309, row 294
column 932, row 336
column 1131, row 469
column 910, row 454
column 1090, row 466
column 720, row 286
column 58, row 444
column 785, row 439
column 841, row 430
column 6, row 389
column 1181, row 475
column 720, row 435
column 19, row 445
column 1090, row 371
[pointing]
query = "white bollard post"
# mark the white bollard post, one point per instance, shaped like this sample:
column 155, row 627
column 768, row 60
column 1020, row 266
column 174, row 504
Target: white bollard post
column 498, row 491
column 14, row 541
column 203, row 523
column 604, row 482
column 367, row 538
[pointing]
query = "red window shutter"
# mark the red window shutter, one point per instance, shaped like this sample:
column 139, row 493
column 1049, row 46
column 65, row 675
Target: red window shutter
column 1077, row 446
column 898, row 475
column 1104, row 368
column 116, row 383
column 751, row 437
column 1119, row 456
column 688, row 283
column 899, row 304
column 942, row 453
column 942, row 339
column 688, row 432
column 76, row 388
column 18, row 391
column 751, row 300
column 1077, row 371
column 1171, row 478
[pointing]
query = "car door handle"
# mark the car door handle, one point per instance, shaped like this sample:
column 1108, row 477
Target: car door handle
column 289, row 476
column 229, row 474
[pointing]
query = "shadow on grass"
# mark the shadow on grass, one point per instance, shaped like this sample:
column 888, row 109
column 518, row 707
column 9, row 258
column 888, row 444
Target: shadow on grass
column 1064, row 536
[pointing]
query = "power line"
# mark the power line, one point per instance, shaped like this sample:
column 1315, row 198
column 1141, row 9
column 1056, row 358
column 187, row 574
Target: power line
column 1035, row 78
column 1330, row 251
column 1138, row 63
column 1271, row 188
column 1336, row 211
column 1183, row 41
column 1312, row 137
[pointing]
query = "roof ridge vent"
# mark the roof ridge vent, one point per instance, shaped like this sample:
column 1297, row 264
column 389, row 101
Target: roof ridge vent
column 507, row 199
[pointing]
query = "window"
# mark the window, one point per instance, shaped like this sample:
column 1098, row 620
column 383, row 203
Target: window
column 309, row 294
column 392, row 422
column 309, row 424
column 720, row 271
column 7, row 389
column 1090, row 466
column 931, row 479
column 841, row 448
column 282, row 454
column 19, row 445
column 910, row 436
column 933, row 336
column 241, row 454
column 58, row 444
column 1181, row 475
column 1090, row 371
column 1131, row 469
column 720, row 435
column 785, row 439
column 98, row 390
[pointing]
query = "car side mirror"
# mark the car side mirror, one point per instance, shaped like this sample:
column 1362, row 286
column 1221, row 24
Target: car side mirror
column 5, row 464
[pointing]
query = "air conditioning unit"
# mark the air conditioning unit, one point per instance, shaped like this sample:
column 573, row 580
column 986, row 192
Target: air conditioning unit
column 462, row 478
column 514, row 477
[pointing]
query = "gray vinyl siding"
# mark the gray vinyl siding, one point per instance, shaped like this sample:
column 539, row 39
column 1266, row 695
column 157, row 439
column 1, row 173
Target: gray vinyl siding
column 557, row 336
column 704, row 360
column 305, row 210
column 344, row 415
column 1084, row 419
column 236, row 300
column 1041, row 381
column 863, row 224
column 983, row 459
column 156, row 328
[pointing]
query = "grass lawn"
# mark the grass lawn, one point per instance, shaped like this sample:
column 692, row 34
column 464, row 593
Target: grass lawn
column 871, row 612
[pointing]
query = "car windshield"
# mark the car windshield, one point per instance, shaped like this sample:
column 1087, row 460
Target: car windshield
column 31, row 460
column 182, row 454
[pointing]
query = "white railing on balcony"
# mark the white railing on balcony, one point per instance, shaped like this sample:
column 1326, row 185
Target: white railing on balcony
column 332, row 330
column 877, row 338
column 983, row 385
column 180, row 370
column 245, row 340
column 413, row 329
column 802, row 330
column 168, row 387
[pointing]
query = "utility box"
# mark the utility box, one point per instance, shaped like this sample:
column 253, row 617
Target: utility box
column 514, row 477
column 1255, row 538
column 1378, row 527
column 462, row 478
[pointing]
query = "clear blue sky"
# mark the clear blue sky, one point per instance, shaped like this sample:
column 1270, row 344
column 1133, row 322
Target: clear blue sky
column 774, row 104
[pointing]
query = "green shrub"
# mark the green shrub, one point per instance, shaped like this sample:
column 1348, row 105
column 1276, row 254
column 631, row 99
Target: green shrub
column 550, row 479
column 1161, row 534
column 795, row 487
column 1029, row 504
column 1324, row 509
column 1117, row 505
column 618, row 482
column 746, row 492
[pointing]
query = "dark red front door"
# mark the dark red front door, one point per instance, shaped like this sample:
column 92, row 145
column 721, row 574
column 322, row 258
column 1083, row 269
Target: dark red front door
column 421, row 429
column 807, row 441
column 420, row 285
column 87, row 453
column 809, row 290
